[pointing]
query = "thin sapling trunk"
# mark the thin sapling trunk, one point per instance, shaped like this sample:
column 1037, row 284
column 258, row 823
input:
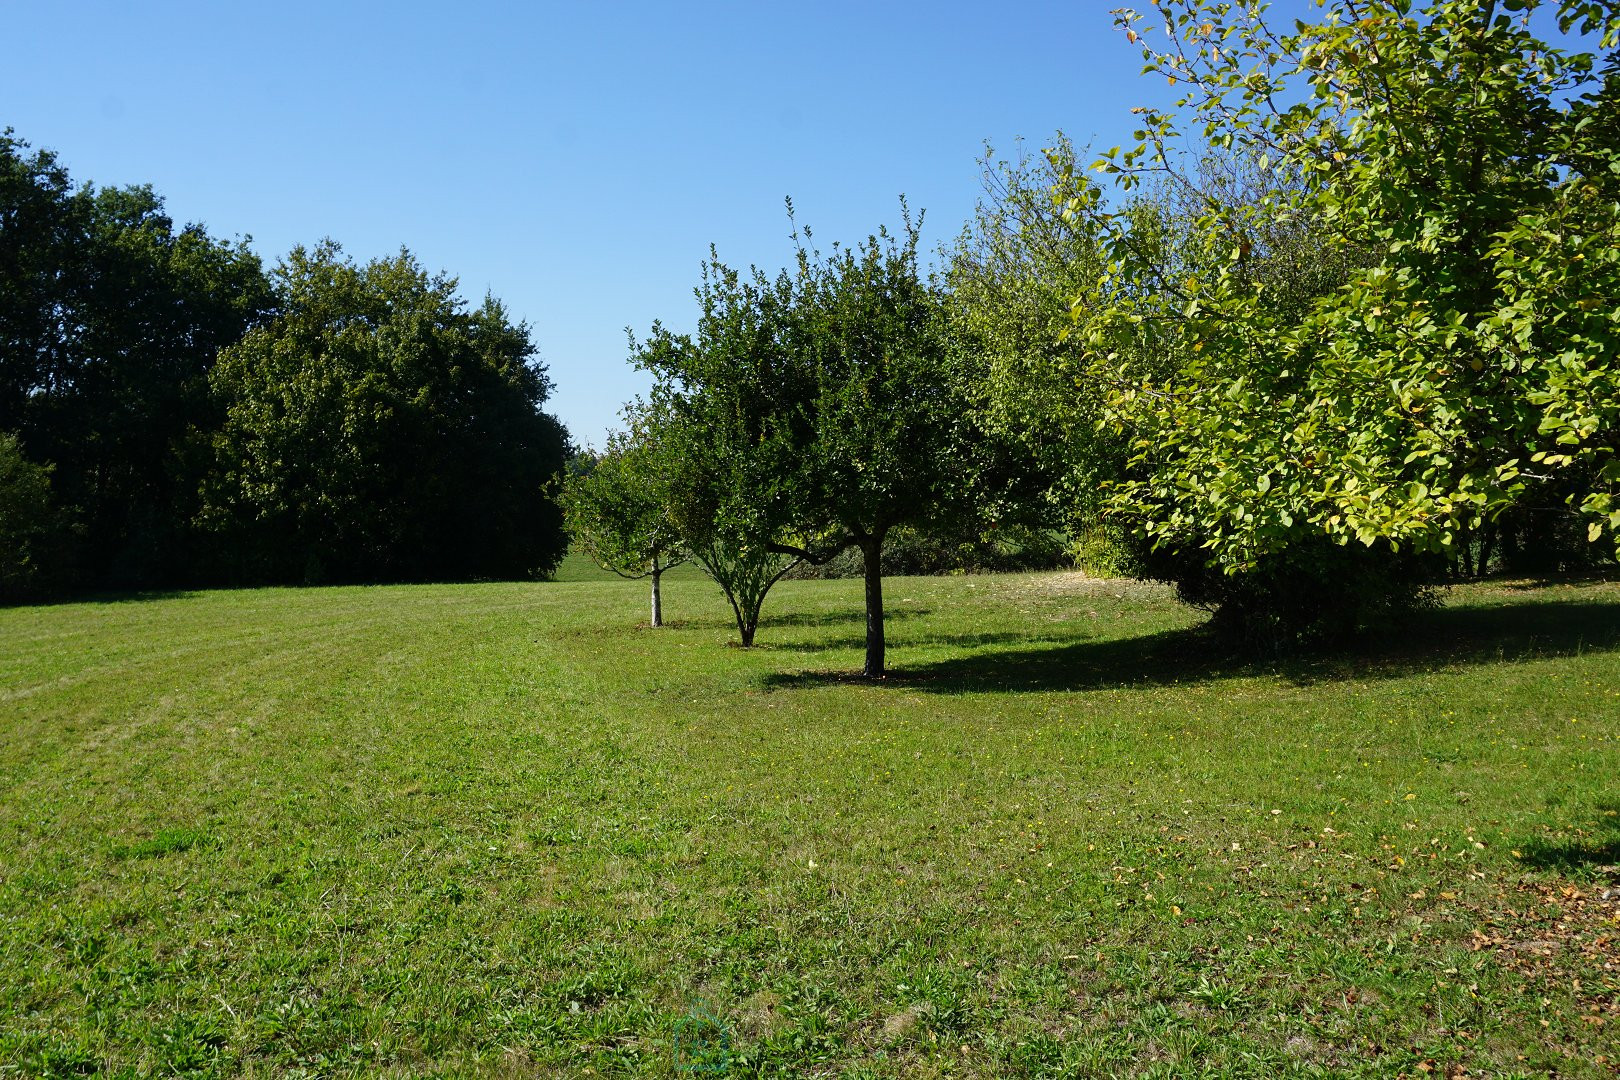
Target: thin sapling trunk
column 657, row 595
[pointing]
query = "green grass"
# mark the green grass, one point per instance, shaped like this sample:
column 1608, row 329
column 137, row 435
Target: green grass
column 505, row 830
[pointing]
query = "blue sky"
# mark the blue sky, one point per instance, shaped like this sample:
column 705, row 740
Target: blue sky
column 574, row 160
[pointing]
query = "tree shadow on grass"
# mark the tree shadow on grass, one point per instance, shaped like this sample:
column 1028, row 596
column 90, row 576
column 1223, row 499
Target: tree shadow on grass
column 857, row 642
column 139, row 596
column 1161, row 658
column 1449, row 637
column 1595, row 849
column 794, row 618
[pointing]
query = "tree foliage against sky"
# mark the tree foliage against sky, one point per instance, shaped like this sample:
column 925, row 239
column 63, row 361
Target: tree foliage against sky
column 199, row 420
column 1354, row 304
column 728, row 492
column 1466, row 364
column 110, row 318
column 822, row 408
column 378, row 429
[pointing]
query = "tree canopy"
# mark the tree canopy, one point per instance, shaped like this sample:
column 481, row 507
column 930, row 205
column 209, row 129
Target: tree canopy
column 110, row 318
column 379, row 429
column 825, row 407
column 1455, row 147
column 1398, row 327
column 187, row 418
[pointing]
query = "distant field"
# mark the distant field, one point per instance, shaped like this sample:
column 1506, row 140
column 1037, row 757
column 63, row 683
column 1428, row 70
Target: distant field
column 506, row 830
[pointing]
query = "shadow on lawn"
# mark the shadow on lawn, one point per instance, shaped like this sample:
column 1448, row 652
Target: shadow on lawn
column 857, row 643
column 1594, row 849
column 796, row 618
column 1448, row 637
column 141, row 596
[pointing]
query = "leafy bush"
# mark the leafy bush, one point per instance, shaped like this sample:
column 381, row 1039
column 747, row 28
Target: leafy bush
column 1310, row 592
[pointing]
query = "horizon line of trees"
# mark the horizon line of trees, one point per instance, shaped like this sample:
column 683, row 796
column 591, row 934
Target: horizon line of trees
column 174, row 414
column 1340, row 326
column 1345, row 327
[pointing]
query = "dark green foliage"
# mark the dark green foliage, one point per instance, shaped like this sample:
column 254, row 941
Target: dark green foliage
column 110, row 317
column 380, row 430
column 910, row 552
column 1532, row 538
column 1311, row 592
column 823, row 408
column 371, row 427
column 32, row 529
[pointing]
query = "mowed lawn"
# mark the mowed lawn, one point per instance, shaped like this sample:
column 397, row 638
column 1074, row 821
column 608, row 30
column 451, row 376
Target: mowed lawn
column 507, row 829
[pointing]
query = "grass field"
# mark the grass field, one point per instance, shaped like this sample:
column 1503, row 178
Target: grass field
column 506, row 830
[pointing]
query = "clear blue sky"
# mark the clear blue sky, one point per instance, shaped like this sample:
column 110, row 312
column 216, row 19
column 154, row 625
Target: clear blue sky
column 575, row 160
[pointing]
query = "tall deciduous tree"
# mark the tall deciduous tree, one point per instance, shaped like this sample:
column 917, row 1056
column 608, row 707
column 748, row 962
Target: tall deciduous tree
column 379, row 429
column 1465, row 366
column 728, row 466
column 110, row 318
column 883, row 432
column 1044, row 245
column 1011, row 278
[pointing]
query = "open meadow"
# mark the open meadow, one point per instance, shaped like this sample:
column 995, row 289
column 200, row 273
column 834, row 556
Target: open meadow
column 507, row 829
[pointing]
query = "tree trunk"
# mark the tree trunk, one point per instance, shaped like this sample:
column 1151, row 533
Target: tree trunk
column 745, row 630
column 657, row 596
column 872, row 554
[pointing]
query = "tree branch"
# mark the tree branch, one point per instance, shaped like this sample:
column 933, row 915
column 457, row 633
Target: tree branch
column 811, row 555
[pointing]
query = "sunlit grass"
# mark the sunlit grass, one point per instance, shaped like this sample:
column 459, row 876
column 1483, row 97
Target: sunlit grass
column 509, row 829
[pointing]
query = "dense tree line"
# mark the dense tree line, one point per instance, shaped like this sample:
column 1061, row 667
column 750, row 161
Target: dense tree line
column 172, row 414
column 1343, row 327
column 1340, row 326
column 110, row 318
